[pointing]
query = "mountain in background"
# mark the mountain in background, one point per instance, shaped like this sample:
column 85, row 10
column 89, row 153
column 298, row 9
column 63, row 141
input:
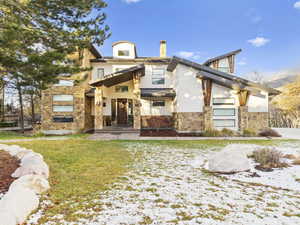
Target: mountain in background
column 281, row 80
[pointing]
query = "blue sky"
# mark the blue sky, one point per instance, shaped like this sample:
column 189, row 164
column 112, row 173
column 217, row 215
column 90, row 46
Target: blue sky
column 268, row 31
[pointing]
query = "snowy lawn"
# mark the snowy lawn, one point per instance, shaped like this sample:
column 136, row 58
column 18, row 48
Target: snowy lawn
column 166, row 184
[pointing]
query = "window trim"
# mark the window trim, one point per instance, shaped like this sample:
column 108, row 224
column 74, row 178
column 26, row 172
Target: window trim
column 71, row 83
column 120, row 89
column 125, row 55
column 223, row 103
column 57, row 100
column 234, row 123
column 62, row 111
column 155, row 106
column 216, row 109
column 158, row 77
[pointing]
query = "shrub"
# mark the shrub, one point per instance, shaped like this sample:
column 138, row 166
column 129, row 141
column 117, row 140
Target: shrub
column 269, row 158
column 249, row 133
column 211, row 133
column 268, row 132
column 227, row 133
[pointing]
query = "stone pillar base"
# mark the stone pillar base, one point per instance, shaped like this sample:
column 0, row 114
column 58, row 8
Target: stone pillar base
column 208, row 117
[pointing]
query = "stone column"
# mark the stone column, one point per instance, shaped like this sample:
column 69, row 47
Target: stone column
column 243, row 118
column 98, row 108
column 208, row 116
column 136, row 102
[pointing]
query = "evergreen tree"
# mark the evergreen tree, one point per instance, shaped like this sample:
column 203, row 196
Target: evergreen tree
column 37, row 36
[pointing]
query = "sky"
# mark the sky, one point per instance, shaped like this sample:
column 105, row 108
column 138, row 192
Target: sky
column 268, row 31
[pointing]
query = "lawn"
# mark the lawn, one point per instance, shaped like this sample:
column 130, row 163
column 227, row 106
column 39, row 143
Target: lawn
column 79, row 169
column 6, row 135
column 82, row 170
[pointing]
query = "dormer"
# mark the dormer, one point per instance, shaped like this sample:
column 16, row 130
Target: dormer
column 124, row 50
column 224, row 63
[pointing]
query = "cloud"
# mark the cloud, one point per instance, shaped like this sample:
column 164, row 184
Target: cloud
column 297, row 5
column 189, row 55
column 259, row 41
column 131, row 1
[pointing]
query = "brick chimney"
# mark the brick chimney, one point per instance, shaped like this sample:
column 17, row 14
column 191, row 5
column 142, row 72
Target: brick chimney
column 163, row 49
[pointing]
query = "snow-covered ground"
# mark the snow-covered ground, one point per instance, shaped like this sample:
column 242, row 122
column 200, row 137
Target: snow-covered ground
column 289, row 133
column 169, row 186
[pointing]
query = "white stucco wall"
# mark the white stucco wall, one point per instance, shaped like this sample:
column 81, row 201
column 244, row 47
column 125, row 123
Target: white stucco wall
column 124, row 46
column 189, row 97
column 148, row 110
column 258, row 104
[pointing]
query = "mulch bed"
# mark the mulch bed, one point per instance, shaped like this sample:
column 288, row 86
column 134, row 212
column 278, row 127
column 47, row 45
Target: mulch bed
column 8, row 165
column 166, row 133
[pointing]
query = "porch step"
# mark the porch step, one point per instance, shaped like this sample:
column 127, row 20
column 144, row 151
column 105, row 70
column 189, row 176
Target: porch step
column 118, row 131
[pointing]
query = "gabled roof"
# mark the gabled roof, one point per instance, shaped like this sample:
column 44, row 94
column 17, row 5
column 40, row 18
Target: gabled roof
column 208, row 62
column 119, row 77
column 221, row 77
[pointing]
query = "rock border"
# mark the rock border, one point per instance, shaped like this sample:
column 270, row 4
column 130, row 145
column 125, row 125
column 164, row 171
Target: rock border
column 22, row 198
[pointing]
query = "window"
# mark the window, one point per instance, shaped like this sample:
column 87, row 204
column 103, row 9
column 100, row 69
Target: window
column 121, row 89
column 123, row 53
column 224, row 112
column 99, row 74
column 62, row 108
column 158, row 103
column 224, row 69
column 158, row 76
column 65, row 83
column 63, row 119
column 223, row 101
column 224, row 123
column 62, row 98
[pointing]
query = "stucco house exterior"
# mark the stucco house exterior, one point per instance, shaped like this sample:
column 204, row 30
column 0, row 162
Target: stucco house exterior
column 128, row 92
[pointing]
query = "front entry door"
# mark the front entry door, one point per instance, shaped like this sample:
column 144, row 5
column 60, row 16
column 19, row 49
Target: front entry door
column 122, row 112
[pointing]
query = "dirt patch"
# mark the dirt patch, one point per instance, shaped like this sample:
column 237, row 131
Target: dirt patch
column 8, row 165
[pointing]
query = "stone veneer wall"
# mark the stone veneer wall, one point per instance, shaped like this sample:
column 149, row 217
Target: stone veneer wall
column 89, row 118
column 157, row 122
column 78, row 113
column 189, row 121
column 252, row 120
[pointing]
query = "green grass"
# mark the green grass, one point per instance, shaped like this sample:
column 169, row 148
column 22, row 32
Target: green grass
column 79, row 170
column 6, row 135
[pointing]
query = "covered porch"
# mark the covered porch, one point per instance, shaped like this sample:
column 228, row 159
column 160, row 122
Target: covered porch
column 116, row 100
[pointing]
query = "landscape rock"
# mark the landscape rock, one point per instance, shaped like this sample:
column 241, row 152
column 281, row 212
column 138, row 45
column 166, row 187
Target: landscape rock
column 32, row 166
column 7, row 218
column 20, row 202
column 232, row 159
column 34, row 182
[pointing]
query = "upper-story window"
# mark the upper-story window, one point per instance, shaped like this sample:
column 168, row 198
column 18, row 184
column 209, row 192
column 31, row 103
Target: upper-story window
column 123, row 53
column 224, row 65
column 158, row 76
column 65, row 83
column 99, row 74
column 121, row 89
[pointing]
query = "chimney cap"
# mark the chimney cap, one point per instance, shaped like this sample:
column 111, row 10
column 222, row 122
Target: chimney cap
column 163, row 41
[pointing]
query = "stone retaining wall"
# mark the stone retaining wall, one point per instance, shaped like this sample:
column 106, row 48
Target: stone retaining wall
column 252, row 120
column 189, row 121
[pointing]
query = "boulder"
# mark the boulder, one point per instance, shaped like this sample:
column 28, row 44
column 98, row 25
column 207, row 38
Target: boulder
column 32, row 166
column 20, row 202
column 7, row 218
column 231, row 159
column 34, row 182
column 22, row 153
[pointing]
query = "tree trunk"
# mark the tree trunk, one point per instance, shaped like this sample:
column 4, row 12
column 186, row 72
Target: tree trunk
column 21, row 109
column 32, row 109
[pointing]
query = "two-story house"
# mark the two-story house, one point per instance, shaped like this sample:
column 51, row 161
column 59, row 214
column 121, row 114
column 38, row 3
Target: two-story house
column 126, row 91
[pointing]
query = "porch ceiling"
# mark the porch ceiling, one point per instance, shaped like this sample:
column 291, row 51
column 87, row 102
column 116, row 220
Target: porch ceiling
column 120, row 76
